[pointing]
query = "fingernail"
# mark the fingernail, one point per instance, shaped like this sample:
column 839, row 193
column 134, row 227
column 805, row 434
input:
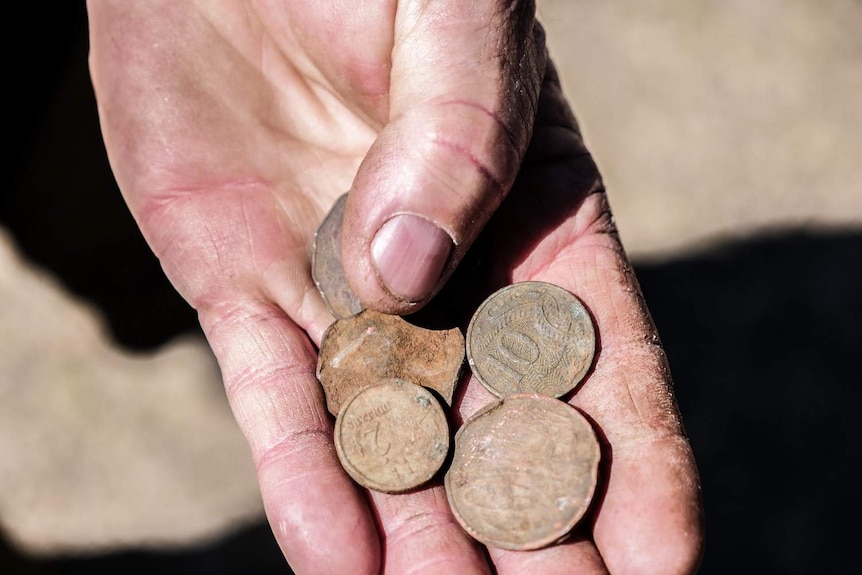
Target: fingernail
column 409, row 253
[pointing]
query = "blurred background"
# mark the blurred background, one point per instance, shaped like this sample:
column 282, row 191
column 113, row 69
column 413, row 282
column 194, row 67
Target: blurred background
column 729, row 134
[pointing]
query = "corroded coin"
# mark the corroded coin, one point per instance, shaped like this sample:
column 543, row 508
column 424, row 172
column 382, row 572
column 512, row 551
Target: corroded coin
column 523, row 473
column 361, row 350
column 326, row 267
column 530, row 337
column 392, row 436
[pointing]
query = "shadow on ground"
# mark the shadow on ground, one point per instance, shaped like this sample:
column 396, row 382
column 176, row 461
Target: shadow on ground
column 763, row 336
column 252, row 550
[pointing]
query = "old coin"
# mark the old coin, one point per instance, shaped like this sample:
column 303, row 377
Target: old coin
column 392, row 436
column 530, row 337
column 326, row 265
column 523, row 473
column 361, row 350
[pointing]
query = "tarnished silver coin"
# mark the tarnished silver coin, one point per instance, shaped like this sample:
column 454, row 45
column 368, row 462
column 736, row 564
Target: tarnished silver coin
column 523, row 473
column 530, row 337
column 361, row 350
column 326, row 265
column 392, row 437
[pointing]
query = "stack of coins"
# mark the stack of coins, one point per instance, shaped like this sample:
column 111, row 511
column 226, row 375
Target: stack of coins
column 525, row 467
column 385, row 380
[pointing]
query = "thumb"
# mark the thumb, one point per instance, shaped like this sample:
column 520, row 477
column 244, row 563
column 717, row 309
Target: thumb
column 464, row 85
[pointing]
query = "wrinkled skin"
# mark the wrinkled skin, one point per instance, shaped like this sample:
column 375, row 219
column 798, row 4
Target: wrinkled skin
column 232, row 127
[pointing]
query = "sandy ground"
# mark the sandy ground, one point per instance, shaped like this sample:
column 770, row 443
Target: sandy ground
column 729, row 134
column 715, row 118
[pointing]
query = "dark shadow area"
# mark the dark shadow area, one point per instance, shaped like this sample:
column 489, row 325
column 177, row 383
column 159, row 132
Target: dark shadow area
column 251, row 550
column 61, row 202
column 763, row 336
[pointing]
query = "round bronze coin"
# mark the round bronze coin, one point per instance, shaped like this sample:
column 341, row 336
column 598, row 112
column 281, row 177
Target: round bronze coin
column 530, row 337
column 392, row 436
column 326, row 265
column 523, row 473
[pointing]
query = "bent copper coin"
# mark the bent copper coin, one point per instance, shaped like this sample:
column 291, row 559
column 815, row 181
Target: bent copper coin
column 392, row 436
column 530, row 337
column 326, row 265
column 523, row 473
column 361, row 350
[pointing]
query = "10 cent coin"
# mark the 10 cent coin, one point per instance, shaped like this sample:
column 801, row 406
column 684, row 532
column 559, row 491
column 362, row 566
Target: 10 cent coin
column 530, row 337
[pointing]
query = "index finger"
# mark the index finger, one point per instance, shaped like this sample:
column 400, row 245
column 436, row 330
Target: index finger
column 318, row 516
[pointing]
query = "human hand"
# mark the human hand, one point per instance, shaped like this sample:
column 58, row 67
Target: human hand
column 231, row 129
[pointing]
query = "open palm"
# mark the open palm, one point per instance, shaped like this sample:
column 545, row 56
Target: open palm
column 233, row 127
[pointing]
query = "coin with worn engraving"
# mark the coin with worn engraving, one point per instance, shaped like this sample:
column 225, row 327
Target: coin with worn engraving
column 361, row 350
column 326, row 265
column 523, row 472
column 392, row 437
column 530, row 337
